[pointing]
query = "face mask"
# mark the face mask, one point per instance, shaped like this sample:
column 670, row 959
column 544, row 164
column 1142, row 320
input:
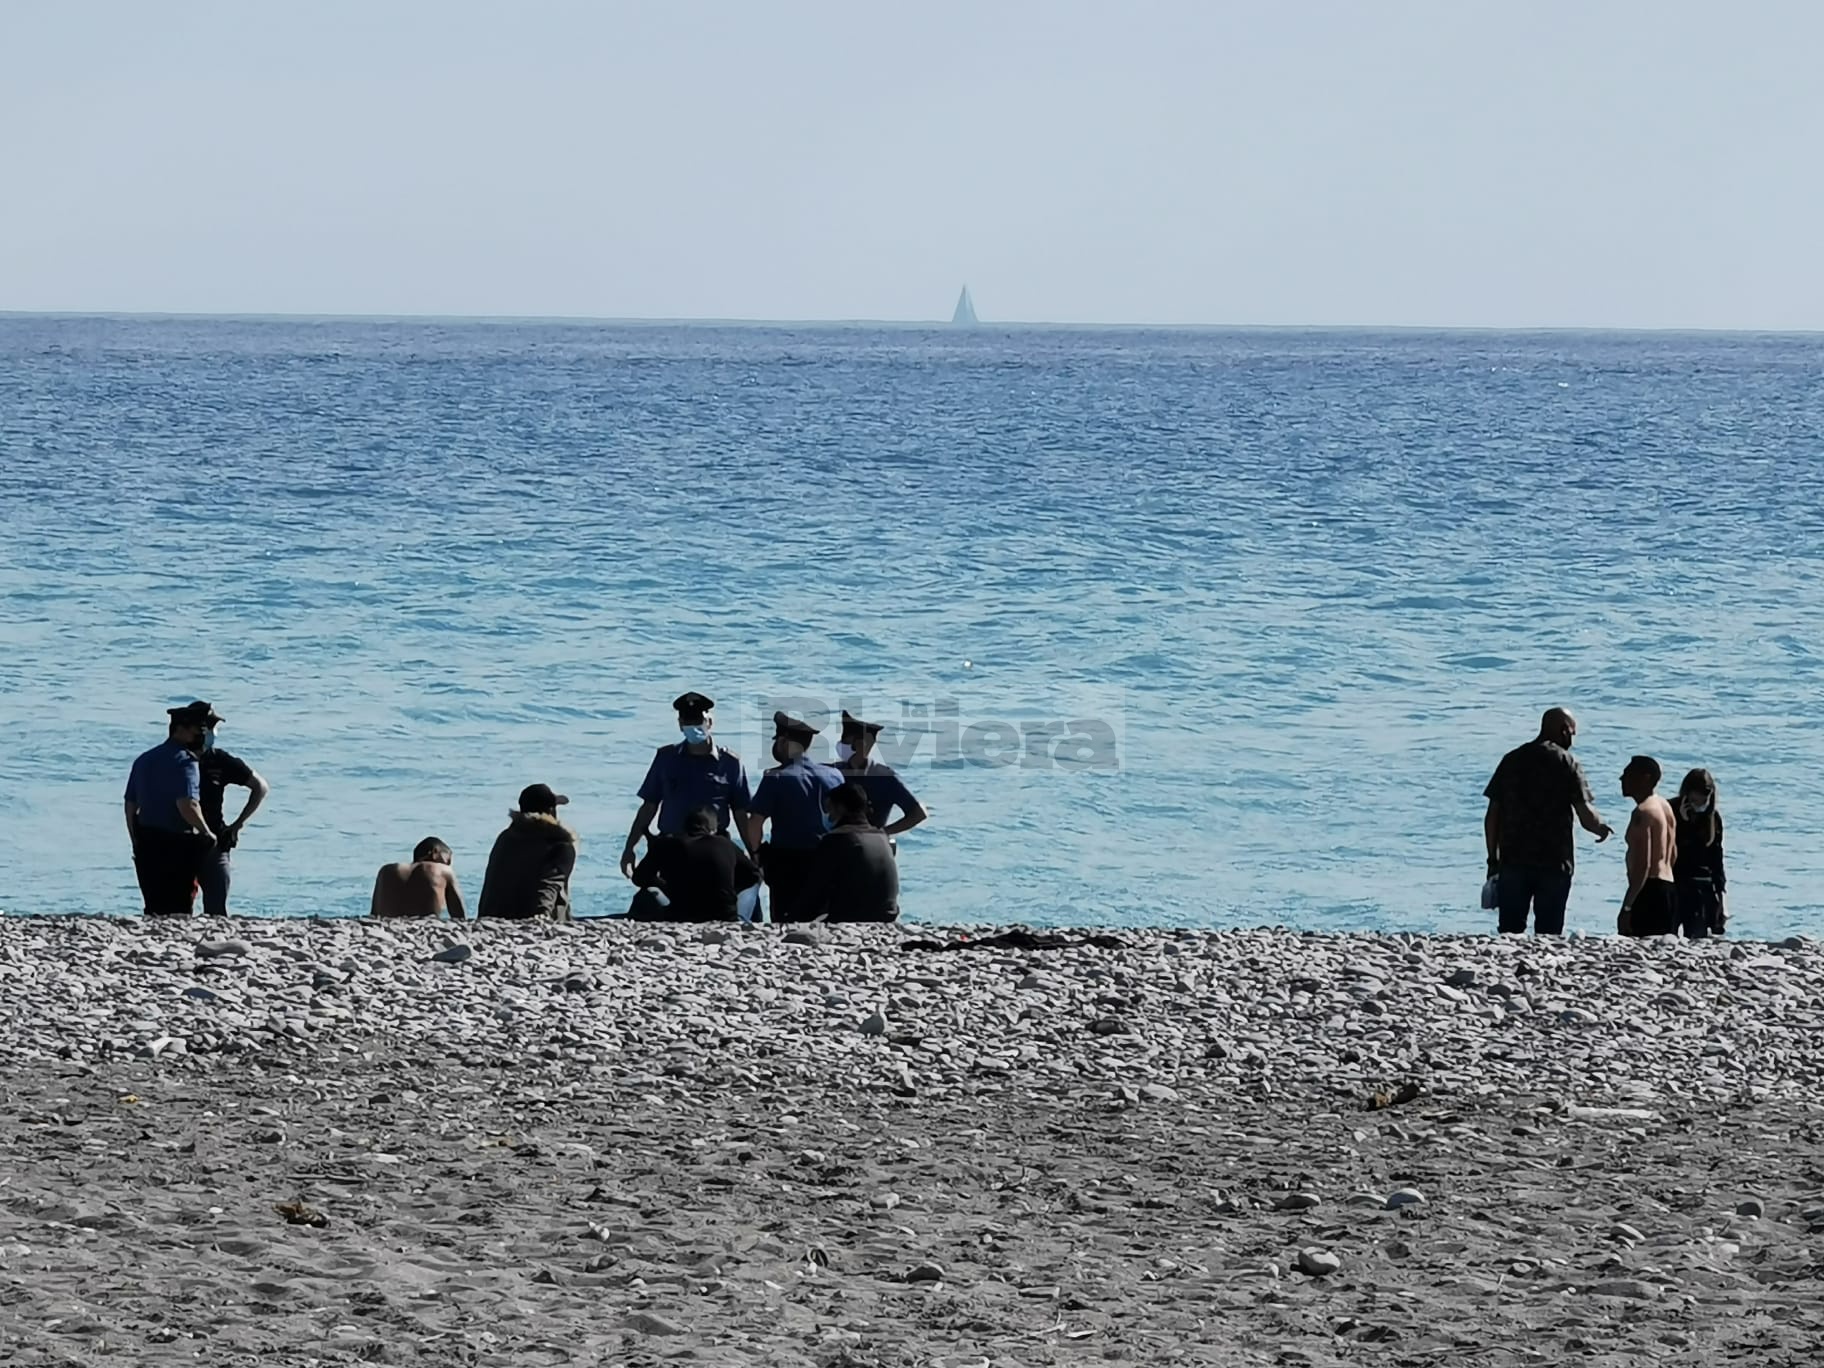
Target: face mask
column 844, row 751
column 1697, row 807
column 696, row 736
column 829, row 823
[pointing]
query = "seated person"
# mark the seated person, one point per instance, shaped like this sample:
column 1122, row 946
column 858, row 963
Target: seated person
column 695, row 876
column 853, row 876
column 422, row 888
column 530, row 866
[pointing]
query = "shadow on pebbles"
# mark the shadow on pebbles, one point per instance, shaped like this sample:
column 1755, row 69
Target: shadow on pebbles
column 623, row 1145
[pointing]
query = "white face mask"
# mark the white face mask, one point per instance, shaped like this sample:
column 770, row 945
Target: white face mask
column 1697, row 807
column 844, row 750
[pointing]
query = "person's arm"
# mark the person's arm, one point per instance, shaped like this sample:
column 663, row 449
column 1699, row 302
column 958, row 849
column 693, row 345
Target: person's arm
column 1491, row 835
column 257, row 791
column 1716, row 864
column 742, row 821
column 646, row 873
column 556, row 880
column 191, row 811
column 1591, row 821
column 374, row 903
column 747, row 873
column 1639, row 839
column 133, row 821
column 452, row 898
column 642, row 822
column 911, row 811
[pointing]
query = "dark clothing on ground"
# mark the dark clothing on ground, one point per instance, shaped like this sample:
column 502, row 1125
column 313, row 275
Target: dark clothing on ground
column 1544, row 890
column 529, row 869
column 701, row 877
column 218, row 769
column 883, row 786
column 159, row 778
column 167, row 864
column 680, row 783
column 853, row 877
column 1655, row 911
column 215, row 876
column 787, row 873
column 792, row 795
column 1538, row 788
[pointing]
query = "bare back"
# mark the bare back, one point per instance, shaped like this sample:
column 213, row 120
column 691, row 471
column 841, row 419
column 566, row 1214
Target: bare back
column 1652, row 840
column 422, row 889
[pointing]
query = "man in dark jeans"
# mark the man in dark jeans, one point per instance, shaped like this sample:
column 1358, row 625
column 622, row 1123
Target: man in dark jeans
column 1536, row 790
column 165, row 817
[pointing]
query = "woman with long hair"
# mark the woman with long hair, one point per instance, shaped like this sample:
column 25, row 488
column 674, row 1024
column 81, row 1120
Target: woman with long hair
column 1703, row 907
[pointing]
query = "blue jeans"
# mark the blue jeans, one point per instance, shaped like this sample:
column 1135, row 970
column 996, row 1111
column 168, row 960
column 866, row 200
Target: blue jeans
column 215, row 876
column 1543, row 889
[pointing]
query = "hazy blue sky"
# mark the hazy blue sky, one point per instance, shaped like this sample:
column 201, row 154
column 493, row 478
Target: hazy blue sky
column 1628, row 164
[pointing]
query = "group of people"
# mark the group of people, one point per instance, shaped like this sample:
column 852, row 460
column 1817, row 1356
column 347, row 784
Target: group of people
column 819, row 838
column 1676, row 881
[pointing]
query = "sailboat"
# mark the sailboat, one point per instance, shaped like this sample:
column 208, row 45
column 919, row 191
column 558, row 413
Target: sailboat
column 964, row 317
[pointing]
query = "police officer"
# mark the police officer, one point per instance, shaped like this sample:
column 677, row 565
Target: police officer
column 690, row 774
column 164, row 814
column 792, row 796
column 222, row 770
column 855, row 760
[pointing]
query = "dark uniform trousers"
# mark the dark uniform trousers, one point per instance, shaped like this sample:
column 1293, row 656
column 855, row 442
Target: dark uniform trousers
column 787, row 880
column 168, row 864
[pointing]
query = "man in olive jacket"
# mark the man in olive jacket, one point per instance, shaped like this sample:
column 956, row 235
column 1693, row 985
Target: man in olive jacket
column 529, row 868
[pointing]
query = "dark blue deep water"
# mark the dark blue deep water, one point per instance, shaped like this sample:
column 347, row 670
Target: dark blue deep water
column 1198, row 628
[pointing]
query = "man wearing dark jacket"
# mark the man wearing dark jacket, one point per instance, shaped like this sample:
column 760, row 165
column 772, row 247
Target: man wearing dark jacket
column 701, row 874
column 853, row 876
column 530, row 866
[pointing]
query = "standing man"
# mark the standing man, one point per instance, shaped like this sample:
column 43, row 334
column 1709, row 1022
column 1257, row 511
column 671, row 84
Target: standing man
column 690, row 774
column 885, row 791
column 165, row 818
column 1536, row 790
column 792, row 795
column 219, row 769
column 1650, row 907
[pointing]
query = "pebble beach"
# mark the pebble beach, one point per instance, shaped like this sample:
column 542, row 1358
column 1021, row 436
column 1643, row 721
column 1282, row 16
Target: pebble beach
column 342, row 1142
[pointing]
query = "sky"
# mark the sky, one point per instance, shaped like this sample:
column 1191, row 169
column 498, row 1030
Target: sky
column 1590, row 164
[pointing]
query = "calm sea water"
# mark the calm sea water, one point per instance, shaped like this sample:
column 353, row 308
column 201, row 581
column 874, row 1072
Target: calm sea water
column 1293, row 593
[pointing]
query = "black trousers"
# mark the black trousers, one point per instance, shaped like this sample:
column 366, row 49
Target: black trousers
column 168, row 864
column 788, row 874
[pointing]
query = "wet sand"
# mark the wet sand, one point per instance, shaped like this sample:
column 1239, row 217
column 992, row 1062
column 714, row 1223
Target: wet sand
column 617, row 1144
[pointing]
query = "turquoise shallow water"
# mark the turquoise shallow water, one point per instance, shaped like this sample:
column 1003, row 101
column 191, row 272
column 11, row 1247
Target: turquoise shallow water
column 1291, row 593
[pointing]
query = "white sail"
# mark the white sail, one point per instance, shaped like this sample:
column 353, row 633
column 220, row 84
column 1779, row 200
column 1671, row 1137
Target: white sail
column 964, row 317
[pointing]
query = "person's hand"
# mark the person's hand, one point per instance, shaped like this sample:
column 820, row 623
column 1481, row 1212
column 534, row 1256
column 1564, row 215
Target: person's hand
column 1604, row 834
column 230, row 837
column 629, row 858
column 1493, row 868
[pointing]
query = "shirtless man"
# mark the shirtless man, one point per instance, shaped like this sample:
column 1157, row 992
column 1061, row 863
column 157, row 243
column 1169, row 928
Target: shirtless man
column 422, row 888
column 1650, row 908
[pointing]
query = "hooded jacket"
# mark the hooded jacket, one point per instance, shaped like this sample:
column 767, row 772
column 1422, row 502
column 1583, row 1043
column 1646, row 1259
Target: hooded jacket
column 529, row 869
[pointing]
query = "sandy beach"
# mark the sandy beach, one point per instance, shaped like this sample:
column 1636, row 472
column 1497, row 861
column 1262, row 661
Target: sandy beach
column 314, row 1143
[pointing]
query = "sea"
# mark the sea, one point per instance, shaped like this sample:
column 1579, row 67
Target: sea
column 1192, row 628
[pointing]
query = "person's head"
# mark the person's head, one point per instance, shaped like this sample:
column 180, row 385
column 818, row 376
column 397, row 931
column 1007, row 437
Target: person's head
column 848, row 805
column 432, row 851
column 193, row 725
column 1697, row 793
column 1558, row 727
column 1640, row 778
column 857, row 737
column 539, row 800
column 791, row 738
column 700, row 822
column 694, row 720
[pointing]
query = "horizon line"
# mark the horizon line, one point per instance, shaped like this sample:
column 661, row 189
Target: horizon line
column 934, row 324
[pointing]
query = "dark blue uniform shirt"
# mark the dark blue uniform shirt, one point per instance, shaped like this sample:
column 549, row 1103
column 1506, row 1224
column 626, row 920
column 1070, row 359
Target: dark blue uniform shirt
column 158, row 779
column 884, row 788
column 792, row 795
column 680, row 782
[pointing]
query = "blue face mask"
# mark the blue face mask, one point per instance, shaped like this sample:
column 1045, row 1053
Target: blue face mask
column 696, row 736
column 829, row 823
